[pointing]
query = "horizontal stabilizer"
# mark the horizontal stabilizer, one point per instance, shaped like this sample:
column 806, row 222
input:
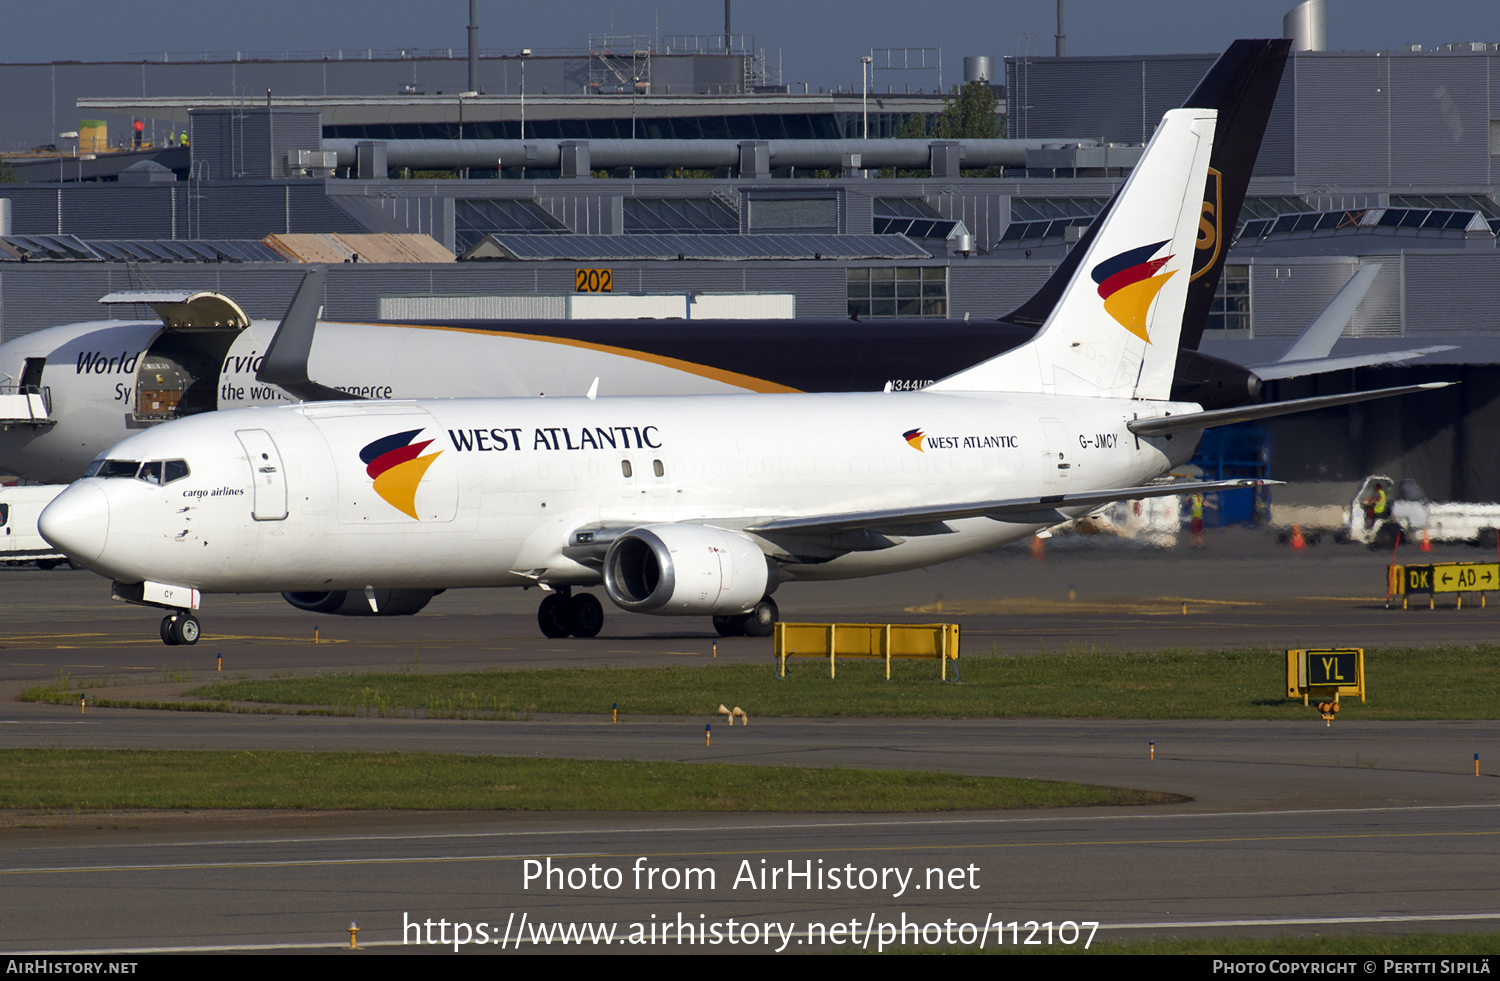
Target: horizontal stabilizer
column 1191, row 421
column 1277, row 370
column 1023, row 510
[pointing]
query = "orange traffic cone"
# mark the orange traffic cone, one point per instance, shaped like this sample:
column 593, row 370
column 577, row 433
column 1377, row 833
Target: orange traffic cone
column 1298, row 542
column 1426, row 541
column 1038, row 549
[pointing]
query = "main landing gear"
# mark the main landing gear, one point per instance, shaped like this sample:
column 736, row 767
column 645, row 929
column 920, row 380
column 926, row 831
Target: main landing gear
column 759, row 622
column 180, row 628
column 562, row 614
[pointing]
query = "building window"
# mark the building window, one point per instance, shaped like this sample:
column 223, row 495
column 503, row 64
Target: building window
column 1230, row 312
column 902, row 291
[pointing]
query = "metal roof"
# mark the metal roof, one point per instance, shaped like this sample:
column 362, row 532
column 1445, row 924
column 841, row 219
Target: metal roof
column 70, row 248
column 592, row 248
column 943, row 228
column 1406, row 219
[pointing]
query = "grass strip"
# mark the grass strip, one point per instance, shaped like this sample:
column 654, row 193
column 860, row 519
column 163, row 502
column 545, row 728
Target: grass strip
column 1428, row 683
column 114, row 779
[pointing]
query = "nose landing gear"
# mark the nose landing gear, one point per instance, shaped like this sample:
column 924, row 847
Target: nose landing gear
column 180, row 628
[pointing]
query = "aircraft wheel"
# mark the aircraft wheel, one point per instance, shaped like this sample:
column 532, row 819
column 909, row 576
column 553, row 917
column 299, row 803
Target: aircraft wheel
column 47, row 565
column 186, row 629
column 761, row 621
column 552, row 616
column 167, row 636
column 585, row 616
column 730, row 626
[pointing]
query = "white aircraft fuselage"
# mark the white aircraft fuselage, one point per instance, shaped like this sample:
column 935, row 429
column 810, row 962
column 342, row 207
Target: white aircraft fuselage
column 496, row 496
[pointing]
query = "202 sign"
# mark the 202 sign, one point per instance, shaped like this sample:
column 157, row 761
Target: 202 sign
column 593, row 281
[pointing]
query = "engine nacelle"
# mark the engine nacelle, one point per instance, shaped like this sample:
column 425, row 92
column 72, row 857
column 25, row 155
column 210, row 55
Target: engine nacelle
column 392, row 602
column 685, row 570
column 1213, row 383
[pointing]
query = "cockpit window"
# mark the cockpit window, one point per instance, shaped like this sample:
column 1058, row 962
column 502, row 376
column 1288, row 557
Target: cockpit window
column 118, row 468
column 163, row 471
column 152, row 471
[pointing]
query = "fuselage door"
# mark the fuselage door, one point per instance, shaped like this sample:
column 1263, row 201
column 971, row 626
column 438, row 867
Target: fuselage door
column 1055, row 464
column 266, row 472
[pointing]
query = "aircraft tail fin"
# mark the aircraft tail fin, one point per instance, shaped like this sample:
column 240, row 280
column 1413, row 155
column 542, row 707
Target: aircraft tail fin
column 285, row 361
column 1241, row 86
column 1113, row 331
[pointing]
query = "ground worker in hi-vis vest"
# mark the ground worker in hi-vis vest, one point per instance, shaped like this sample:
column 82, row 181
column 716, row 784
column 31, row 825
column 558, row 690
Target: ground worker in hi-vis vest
column 1375, row 507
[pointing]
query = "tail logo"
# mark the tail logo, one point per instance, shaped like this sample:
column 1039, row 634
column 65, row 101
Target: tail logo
column 395, row 464
column 1210, row 225
column 1128, row 283
column 914, row 437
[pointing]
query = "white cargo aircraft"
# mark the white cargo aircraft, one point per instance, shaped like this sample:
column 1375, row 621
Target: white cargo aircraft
column 686, row 505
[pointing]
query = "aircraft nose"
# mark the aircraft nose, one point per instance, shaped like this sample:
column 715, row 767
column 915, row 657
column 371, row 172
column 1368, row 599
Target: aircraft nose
column 77, row 522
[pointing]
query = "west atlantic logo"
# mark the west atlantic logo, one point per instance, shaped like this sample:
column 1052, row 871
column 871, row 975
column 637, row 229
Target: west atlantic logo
column 922, row 442
column 395, row 465
column 1128, row 283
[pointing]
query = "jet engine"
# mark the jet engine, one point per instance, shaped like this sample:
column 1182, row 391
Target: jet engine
column 685, row 570
column 1213, row 382
column 392, row 602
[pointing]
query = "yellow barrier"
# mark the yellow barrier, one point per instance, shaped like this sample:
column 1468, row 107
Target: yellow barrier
column 937, row 641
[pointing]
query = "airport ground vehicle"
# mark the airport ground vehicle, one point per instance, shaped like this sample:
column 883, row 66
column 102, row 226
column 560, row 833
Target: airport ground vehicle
column 687, row 505
column 1415, row 518
column 20, row 542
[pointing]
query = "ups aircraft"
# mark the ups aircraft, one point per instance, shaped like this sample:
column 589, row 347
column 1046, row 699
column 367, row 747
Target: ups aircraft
column 690, row 505
column 93, row 384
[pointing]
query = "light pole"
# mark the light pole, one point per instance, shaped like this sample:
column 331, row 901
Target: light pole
column 864, row 74
column 70, row 135
column 635, row 83
column 525, row 53
column 461, row 97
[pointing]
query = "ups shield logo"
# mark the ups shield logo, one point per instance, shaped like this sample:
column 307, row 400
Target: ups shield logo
column 1210, row 225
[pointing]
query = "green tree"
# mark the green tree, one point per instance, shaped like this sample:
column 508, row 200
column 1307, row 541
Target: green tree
column 971, row 113
column 913, row 127
column 8, row 176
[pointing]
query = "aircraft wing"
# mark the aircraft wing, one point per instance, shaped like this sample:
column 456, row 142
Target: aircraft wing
column 1189, row 421
column 1277, row 370
column 1024, row 510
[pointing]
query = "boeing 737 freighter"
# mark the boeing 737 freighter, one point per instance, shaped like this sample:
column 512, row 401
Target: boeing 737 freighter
column 687, row 505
